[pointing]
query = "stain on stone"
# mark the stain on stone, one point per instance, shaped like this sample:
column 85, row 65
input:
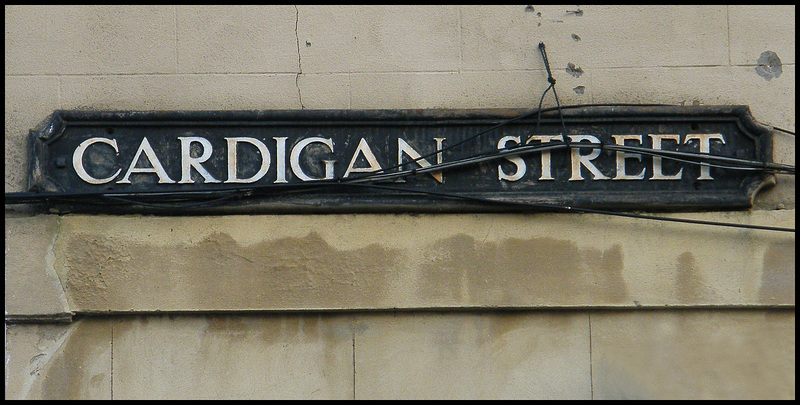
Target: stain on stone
column 769, row 65
column 690, row 287
column 575, row 37
column 85, row 280
column 604, row 266
column 573, row 70
column 233, row 346
column 524, row 271
column 577, row 12
column 778, row 275
column 233, row 325
column 529, row 9
column 47, row 334
column 579, row 89
column 217, row 272
column 69, row 375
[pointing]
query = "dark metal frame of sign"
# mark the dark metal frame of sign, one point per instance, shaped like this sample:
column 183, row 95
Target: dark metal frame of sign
column 632, row 157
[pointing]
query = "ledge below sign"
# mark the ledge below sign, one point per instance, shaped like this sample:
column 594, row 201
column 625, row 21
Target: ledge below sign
column 612, row 157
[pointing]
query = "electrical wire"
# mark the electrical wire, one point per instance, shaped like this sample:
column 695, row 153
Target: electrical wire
column 179, row 198
column 575, row 209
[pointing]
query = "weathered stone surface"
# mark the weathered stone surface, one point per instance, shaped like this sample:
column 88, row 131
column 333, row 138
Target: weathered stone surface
column 771, row 102
column 243, row 39
column 59, row 361
column 505, row 37
column 161, row 58
column 29, row 101
column 694, row 355
column 90, row 39
column 674, row 354
column 501, row 355
column 379, row 38
column 145, row 263
column 180, row 92
column 758, row 28
column 233, row 357
column 32, row 285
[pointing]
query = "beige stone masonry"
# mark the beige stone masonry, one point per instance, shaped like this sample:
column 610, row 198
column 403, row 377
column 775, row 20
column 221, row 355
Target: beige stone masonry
column 637, row 354
column 501, row 355
column 398, row 306
column 389, row 38
column 755, row 29
column 29, row 101
column 694, row 355
column 59, row 361
column 81, row 39
column 240, row 39
column 33, row 290
column 240, row 263
column 181, row 92
column 593, row 36
column 233, row 357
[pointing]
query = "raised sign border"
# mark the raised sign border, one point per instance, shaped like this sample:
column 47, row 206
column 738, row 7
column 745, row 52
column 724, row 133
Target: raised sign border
column 335, row 200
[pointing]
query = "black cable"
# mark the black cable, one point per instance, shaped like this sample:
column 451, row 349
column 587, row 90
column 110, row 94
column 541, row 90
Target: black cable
column 173, row 206
column 552, row 82
column 541, row 100
column 784, row 130
column 743, row 164
column 574, row 209
column 186, row 195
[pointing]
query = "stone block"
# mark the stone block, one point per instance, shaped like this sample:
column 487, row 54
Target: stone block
column 181, row 92
column 324, row 91
column 358, row 38
column 29, row 101
column 90, row 39
column 594, row 36
column 502, row 355
column 745, row 354
column 771, row 102
column 311, row 262
column 240, row 39
column 59, row 361
column 487, row 89
column 406, row 90
column 523, row 89
column 233, row 357
column 755, row 29
column 33, row 288
column 504, row 37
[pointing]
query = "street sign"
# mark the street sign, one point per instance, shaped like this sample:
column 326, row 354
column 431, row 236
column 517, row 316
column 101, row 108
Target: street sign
column 605, row 157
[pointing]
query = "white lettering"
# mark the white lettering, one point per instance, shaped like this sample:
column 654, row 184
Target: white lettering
column 705, row 147
column 516, row 160
column 657, row 173
column 188, row 162
column 280, row 156
column 546, row 162
column 579, row 160
column 232, row 155
column 77, row 160
column 621, row 156
column 294, row 159
column 156, row 168
column 404, row 148
column 364, row 149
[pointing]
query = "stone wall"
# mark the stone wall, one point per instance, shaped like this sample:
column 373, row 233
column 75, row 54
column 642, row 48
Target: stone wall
column 398, row 305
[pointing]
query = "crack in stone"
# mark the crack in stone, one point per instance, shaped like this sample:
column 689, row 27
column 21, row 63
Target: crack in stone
column 299, row 59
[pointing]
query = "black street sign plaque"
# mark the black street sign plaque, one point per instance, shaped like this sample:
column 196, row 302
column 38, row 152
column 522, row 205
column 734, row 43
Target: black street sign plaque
column 604, row 157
